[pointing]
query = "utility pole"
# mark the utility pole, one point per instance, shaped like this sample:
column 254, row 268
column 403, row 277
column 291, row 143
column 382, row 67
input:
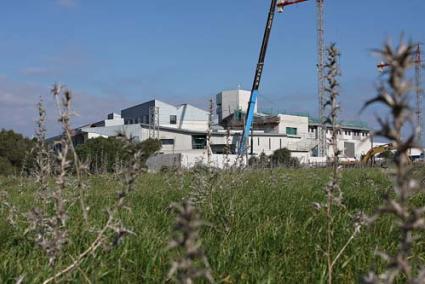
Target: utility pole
column 321, row 130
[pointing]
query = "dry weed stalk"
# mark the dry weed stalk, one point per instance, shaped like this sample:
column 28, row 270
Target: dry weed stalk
column 65, row 112
column 227, row 150
column 394, row 95
column 333, row 191
column 129, row 175
column 50, row 230
column 209, row 134
column 194, row 263
column 43, row 166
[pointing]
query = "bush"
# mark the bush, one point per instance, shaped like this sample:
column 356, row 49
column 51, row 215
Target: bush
column 14, row 148
column 282, row 157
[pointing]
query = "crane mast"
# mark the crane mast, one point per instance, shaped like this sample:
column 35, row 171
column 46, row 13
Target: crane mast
column 321, row 130
column 419, row 94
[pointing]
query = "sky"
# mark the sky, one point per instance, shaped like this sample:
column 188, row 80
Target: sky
column 113, row 54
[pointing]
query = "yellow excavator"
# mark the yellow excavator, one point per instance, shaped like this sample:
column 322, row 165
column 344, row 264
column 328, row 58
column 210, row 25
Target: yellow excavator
column 376, row 151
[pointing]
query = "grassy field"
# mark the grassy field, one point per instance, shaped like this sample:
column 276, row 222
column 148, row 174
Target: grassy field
column 261, row 228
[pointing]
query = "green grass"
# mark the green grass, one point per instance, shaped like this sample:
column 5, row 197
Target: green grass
column 262, row 228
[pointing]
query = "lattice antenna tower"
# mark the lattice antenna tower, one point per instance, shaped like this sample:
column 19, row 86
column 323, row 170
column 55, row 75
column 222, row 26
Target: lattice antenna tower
column 321, row 130
column 419, row 94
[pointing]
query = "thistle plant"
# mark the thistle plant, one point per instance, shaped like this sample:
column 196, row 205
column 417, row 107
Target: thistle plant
column 399, row 129
column 193, row 263
column 63, row 98
column 333, row 191
column 50, row 230
column 43, row 166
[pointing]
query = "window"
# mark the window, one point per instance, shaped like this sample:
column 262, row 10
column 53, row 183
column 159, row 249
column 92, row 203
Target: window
column 199, row 141
column 291, row 131
column 173, row 119
column 270, row 143
column 167, row 142
column 280, row 146
column 258, row 141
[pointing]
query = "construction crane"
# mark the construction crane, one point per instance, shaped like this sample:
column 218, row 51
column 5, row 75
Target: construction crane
column 321, row 130
column 419, row 94
column 281, row 4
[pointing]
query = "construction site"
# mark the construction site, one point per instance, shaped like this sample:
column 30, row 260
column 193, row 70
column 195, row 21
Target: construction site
column 233, row 127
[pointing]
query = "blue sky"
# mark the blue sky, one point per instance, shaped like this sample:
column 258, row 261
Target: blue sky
column 116, row 53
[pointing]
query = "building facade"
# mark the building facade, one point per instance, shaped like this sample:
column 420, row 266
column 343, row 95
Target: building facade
column 184, row 129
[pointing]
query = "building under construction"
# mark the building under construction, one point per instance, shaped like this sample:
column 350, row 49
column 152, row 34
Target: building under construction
column 184, row 129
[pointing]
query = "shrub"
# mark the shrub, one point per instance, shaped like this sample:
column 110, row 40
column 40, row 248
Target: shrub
column 14, row 148
column 282, row 157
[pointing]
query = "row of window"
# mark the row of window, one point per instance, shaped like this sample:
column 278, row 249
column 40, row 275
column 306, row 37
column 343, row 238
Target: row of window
column 346, row 132
column 145, row 119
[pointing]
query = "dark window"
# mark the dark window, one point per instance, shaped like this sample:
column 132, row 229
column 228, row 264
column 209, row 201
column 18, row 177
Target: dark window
column 291, row 131
column 270, row 143
column 199, row 141
column 167, row 141
column 173, row 119
column 280, row 143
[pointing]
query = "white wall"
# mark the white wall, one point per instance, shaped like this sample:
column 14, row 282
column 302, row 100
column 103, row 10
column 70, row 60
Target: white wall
column 192, row 118
column 298, row 122
column 230, row 101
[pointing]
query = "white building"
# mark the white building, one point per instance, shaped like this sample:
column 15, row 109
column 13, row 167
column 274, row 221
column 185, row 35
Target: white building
column 229, row 102
column 183, row 129
column 184, row 116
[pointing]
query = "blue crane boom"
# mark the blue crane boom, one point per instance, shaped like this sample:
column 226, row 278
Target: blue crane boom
column 258, row 72
column 280, row 4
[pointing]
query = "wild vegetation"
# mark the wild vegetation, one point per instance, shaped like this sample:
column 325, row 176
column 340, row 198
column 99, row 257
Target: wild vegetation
column 14, row 151
column 93, row 214
column 258, row 226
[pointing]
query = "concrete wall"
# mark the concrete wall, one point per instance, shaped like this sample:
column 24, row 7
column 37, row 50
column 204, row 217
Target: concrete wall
column 157, row 162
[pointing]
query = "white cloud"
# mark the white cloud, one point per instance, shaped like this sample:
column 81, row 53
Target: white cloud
column 18, row 107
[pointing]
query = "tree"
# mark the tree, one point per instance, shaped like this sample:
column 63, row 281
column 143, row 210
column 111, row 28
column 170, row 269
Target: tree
column 14, row 149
